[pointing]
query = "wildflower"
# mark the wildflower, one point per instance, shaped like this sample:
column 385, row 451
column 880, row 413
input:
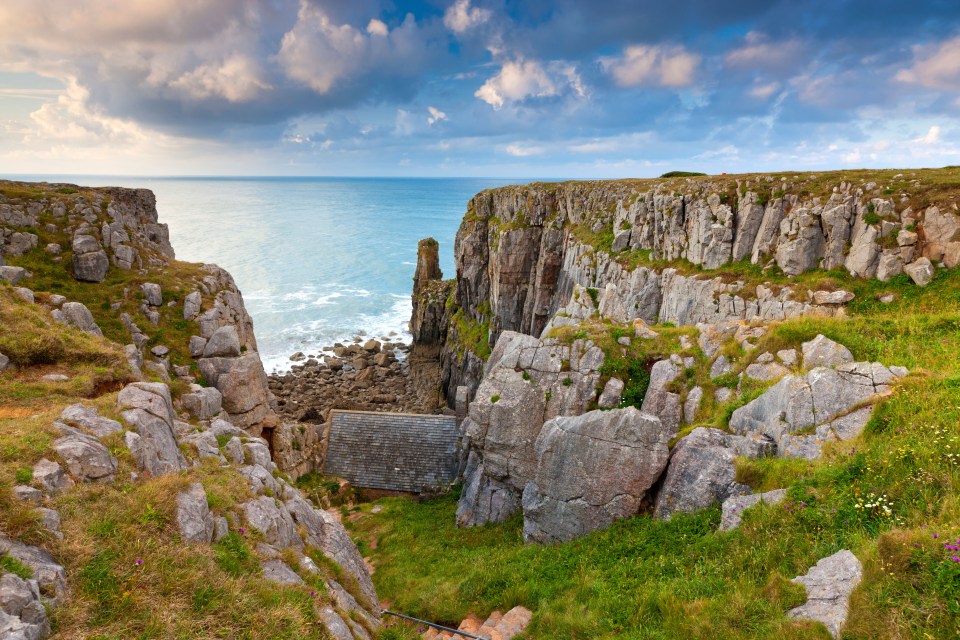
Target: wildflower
column 955, row 559
column 313, row 593
column 935, row 535
column 243, row 531
column 139, row 562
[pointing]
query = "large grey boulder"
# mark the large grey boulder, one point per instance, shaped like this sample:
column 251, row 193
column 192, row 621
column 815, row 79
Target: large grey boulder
column 920, row 271
column 146, row 407
column 619, row 455
column 202, row 402
column 191, row 305
column 243, row 385
column 90, row 261
column 20, row 243
column 13, row 275
column 194, row 520
column 152, row 293
column 224, row 343
column 85, row 456
column 612, row 392
column 701, row 473
column 22, row 614
column 822, row 397
column 78, row 316
column 87, row 419
column 824, row 352
column 829, row 584
column 660, row 402
column 734, row 506
column 526, row 382
column 271, row 518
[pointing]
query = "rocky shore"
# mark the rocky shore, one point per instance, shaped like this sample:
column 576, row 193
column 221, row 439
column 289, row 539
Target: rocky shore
column 363, row 376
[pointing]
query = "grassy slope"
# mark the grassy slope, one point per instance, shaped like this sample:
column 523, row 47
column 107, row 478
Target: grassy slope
column 179, row 590
column 683, row 578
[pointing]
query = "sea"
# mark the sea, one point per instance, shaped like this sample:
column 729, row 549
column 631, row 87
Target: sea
column 318, row 260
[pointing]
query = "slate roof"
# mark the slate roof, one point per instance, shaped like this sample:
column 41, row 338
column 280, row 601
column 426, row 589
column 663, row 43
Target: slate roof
column 395, row 451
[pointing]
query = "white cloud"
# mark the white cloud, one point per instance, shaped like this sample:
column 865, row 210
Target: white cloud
column 932, row 136
column 239, row 78
column 641, row 65
column 523, row 151
column 520, row 80
column 435, row 115
column 460, row 16
column 758, row 52
column 935, row 67
column 377, row 28
column 764, row 90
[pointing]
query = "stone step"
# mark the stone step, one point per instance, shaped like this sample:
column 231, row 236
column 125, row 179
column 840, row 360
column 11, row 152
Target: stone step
column 498, row 626
column 513, row 622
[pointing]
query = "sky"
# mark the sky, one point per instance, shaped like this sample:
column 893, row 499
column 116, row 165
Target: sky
column 493, row 88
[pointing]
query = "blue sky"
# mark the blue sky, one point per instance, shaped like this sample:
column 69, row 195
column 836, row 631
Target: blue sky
column 532, row 88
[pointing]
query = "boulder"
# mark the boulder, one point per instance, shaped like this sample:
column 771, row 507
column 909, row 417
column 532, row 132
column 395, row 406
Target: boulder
column 90, row 261
column 194, row 520
column 335, row 626
column 765, row 372
column 191, row 305
column 701, row 473
column 48, row 574
column 152, row 293
column 78, row 316
column 824, row 352
column 51, row 477
column 243, row 385
column 146, row 407
column 610, row 397
column 658, row 401
column 920, row 271
column 20, row 243
column 721, row 366
column 278, row 571
column 87, row 419
column 712, row 336
column 829, row 584
column 86, row 458
column 832, row 297
column 13, row 275
column 692, row 404
column 619, row 453
column 273, row 521
column 4, row 362
column 197, row 345
column 734, row 506
column 22, row 614
column 224, row 343
column 203, row 403
column 823, row 397
column 25, row 493
column 24, row 294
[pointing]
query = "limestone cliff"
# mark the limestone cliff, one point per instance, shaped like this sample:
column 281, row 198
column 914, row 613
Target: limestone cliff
column 681, row 250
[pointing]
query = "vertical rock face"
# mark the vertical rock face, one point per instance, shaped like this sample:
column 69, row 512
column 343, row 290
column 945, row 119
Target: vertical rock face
column 619, row 454
column 429, row 324
column 527, row 382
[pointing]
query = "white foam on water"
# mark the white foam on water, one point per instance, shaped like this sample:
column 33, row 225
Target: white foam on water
column 311, row 336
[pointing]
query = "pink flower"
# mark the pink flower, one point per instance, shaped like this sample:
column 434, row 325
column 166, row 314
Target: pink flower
column 955, row 559
column 139, row 562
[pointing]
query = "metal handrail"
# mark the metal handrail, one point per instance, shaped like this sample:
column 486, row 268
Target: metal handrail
column 434, row 625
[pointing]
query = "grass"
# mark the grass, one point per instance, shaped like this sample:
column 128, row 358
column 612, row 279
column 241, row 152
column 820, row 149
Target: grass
column 683, row 578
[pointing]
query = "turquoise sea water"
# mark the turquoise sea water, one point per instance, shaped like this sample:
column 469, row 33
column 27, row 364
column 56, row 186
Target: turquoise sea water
column 318, row 259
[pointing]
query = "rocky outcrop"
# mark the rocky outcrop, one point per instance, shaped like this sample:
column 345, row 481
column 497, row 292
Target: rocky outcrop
column 147, row 409
column 702, row 473
column 527, row 382
column 734, row 506
column 833, row 403
column 829, row 584
column 194, row 520
column 242, row 383
column 619, row 454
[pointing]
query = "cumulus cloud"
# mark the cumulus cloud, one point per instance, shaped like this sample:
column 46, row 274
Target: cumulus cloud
column 239, row 78
column 936, row 67
column 378, row 28
column 519, row 80
column 641, row 65
column 435, row 115
column 460, row 16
